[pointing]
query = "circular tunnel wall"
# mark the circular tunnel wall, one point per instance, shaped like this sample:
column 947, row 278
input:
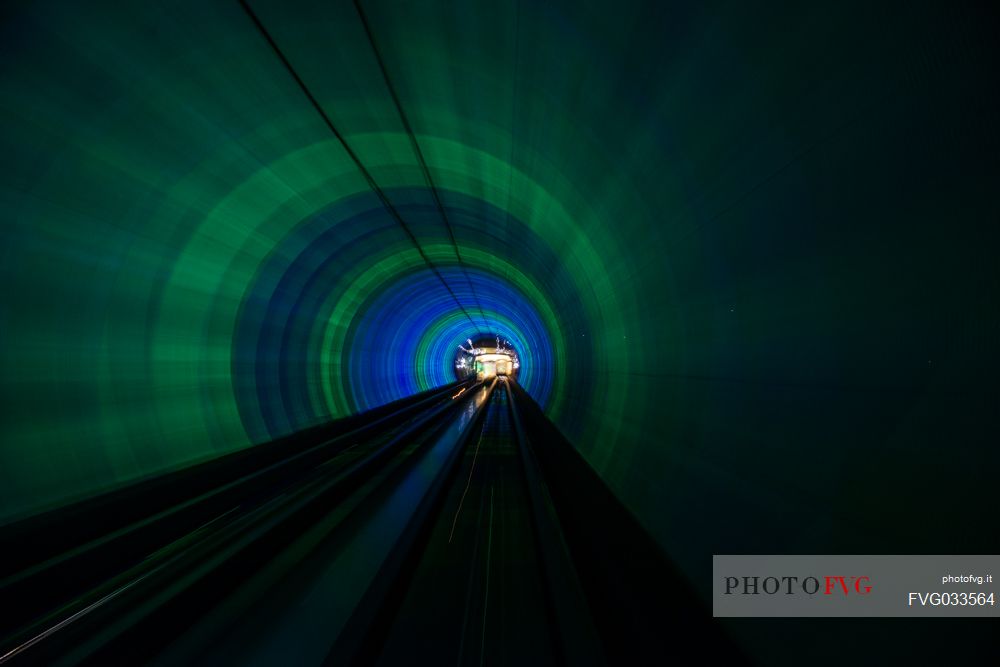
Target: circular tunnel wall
column 344, row 314
column 732, row 243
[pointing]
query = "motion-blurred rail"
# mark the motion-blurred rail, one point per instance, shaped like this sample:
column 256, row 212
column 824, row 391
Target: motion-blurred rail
column 453, row 527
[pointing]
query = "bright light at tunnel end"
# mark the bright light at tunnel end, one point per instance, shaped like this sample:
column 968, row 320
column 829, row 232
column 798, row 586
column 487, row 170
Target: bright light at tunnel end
column 486, row 360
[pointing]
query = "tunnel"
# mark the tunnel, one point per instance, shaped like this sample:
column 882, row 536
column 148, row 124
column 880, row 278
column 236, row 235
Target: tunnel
column 746, row 256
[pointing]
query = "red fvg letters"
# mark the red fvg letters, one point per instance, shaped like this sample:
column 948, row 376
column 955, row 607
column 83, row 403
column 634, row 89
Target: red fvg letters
column 855, row 583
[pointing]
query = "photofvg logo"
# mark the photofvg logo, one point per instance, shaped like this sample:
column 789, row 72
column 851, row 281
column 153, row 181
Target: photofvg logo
column 793, row 585
column 854, row 585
